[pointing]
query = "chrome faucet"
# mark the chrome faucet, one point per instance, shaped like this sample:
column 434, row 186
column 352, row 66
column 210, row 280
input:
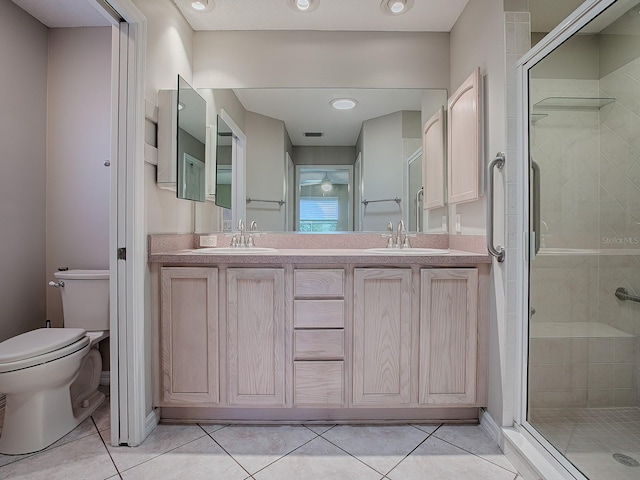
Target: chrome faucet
column 252, row 228
column 399, row 233
column 243, row 241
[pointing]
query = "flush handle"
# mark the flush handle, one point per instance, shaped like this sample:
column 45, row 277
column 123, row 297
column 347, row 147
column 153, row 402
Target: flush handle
column 57, row 284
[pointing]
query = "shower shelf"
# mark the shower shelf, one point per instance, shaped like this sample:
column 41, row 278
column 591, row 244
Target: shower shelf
column 572, row 104
column 537, row 116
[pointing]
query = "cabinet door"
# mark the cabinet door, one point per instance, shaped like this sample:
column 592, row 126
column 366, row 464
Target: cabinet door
column 381, row 337
column 189, row 335
column 464, row 142
column 433, row 149
column 448, row 336
column 256, row 336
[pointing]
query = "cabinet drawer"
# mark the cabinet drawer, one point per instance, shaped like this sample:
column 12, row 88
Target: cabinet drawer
column 319, row 283
column 318, row 383
column 318, row 344
column 318, row 313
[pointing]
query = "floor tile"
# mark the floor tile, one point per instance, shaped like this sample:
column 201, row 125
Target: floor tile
column 161, row 440
column 319, row 429
column 102, row 415
column 318, row 460
column 439, row 460
column 84, row 429
column 200, row 459
column 380, row 447
column 426, row 428
column 475, row 440
column 210, row 428
column 255, row 447
column 87, row 459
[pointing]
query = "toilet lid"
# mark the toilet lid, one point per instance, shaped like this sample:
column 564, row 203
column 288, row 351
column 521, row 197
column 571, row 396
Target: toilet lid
column 38, row 342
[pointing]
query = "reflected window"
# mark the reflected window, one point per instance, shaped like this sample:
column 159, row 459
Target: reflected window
column 319, row 214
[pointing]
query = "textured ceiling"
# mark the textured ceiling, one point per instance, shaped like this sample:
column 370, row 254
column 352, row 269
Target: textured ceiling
column 349, row 15
column 64, row 13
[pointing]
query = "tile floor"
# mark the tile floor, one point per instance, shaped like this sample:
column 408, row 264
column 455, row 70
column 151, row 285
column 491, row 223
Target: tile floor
column 402, row 452
column 589, row 437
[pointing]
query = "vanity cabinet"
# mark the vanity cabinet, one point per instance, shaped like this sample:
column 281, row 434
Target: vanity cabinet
column 189, row 336
column 448, row 337
column 381, row 337
column 319, row 338
column 256, row 336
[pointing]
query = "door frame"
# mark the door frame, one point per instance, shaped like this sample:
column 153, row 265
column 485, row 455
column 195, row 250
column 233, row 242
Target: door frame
column 130, row 359
column 525, row 242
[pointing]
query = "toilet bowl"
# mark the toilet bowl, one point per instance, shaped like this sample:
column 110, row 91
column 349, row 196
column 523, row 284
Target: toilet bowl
column 50, row 376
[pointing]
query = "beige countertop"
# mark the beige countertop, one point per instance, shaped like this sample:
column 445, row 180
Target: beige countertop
column 318, row 256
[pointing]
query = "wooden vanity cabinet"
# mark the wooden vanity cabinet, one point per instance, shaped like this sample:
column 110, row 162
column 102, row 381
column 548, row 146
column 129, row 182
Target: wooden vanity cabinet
column 256, row 337
column 382, row 337
column 448, row 337
column 189, row 336
column 319, row 338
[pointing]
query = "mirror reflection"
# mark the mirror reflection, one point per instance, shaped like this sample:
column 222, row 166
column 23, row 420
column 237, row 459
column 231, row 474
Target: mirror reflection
column 300, row 142
column 223, row 164
column 191, row 143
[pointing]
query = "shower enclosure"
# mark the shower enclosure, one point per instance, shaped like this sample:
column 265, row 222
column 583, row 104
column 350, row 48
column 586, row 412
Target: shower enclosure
column 583, row 89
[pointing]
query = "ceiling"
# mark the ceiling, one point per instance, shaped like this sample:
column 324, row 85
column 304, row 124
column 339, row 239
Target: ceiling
column 309, row 110
column 64, row 13
column 349, row 15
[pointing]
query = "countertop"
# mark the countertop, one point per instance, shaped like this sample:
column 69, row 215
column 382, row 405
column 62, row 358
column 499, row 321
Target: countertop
column 319, row 256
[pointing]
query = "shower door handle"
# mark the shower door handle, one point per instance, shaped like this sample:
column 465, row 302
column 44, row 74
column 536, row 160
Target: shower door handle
column 498, row 251
column 535, row 204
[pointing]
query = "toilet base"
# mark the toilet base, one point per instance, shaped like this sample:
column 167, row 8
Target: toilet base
column 35, row 419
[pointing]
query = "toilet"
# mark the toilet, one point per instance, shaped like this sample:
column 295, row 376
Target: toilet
column 50, row 376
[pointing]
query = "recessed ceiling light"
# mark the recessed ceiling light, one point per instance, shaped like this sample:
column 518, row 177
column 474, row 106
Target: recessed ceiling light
column 396, row 7
column 198, row 6
column 303, row 6
column 343, row 103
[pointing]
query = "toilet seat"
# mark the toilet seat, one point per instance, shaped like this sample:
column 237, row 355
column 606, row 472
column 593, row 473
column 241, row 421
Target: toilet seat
column 40, row 346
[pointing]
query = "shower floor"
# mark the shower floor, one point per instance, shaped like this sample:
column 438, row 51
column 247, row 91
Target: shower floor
column 589, row 437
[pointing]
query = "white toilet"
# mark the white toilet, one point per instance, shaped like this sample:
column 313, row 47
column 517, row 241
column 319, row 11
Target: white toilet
column 50, row 376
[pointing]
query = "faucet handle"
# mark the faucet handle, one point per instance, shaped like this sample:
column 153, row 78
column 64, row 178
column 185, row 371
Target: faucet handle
column 406, row 243
column 389, row 236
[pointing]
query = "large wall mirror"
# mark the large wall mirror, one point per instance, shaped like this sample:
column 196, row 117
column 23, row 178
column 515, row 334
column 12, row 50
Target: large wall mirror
column 321, row 159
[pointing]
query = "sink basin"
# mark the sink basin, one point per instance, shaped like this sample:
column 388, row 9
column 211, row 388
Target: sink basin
column 233, row 251
column 407, row 251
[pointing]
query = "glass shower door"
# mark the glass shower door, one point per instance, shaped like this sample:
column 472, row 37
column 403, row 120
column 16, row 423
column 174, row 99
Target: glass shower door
column 584, row 148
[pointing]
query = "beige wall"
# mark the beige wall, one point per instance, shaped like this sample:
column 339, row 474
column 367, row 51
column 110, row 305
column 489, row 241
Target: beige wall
column 321, row 59
column 478, row 40
column 23, row 90
column 78, row 144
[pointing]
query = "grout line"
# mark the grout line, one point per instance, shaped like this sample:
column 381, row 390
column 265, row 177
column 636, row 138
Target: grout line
column 287, row 454
column 416, row 447
column 225, row 450
column 105, row 447
column 478, row 456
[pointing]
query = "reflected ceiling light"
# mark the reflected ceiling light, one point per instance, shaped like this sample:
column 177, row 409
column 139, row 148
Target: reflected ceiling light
column 343, row 103
column 396, row 7
column 303, row 5
column 198, row 6
column 326, row 183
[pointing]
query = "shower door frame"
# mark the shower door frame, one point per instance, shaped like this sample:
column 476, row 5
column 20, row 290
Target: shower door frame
column 526, row 241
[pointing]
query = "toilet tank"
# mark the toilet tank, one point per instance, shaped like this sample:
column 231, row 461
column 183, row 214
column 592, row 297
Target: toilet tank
column 85, row 299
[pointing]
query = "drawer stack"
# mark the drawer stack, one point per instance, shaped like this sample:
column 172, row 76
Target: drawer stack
column 318, row 338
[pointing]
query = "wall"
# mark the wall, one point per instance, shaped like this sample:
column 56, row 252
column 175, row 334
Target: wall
column 382, row 141
column 23, row 95
column 324, row 155
column 321, row 59
column 478, row 40
column 169, row 54
column 78, row 144
column 265, row 167
column 169, row 50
